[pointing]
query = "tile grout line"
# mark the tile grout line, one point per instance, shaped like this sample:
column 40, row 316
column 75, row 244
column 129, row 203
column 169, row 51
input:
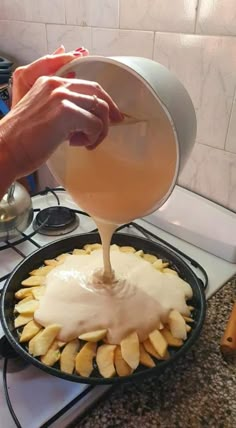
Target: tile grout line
column 124, row 29
column 213, row 147
column 229, row 122
column 153, row 44
column 91, row 39
column 197, row 15
column 92, row 35
column 119, row 6
column 46, row 36
column 65, row 23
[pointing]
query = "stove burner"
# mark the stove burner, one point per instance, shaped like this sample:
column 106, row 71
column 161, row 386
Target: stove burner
column 54, row 221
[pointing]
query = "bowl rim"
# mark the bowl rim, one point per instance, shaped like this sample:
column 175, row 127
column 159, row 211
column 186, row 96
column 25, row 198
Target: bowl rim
column 137, row 73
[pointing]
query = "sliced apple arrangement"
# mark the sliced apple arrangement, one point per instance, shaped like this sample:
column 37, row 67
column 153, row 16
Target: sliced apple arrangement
column 79, row 355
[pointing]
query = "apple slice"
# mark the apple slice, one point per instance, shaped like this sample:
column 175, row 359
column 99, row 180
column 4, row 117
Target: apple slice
column 26, row 299
column 44, row 339
column 122, row 368
column 61, row 343
column 145, row 358
column 32, row 342
column 22, row 320
column 33, row 281
column 68, row 355
column 126, row 249
column 105, row 360
column 187, row 319
column 139, row 253
column 96, row 246
column 23, row 292
column 93, row 336
column 43, row 271
column 170, row 271
column 84, row 359
column 52, row 262
column 177, row 325
column 52, row 355
column 62, row 257
column 29, row 331
column 188, row 328
column 161, row 326
column 130, row 350
column 150, row 349
column 160, row 265
column 79, row 252
column 159, row 342
column 114, row 247
column 38, row 292
column 150, row 258
column 171, row 340
column 27, row 307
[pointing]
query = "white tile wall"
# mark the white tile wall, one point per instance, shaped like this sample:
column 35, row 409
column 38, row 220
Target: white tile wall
column 95, row 13
column 196, row 39
column 15, row 10
column 70, row 36
column 207, row 67
column 33, row 10
column 122, row 42
column 46, row 11
column 231, row 137
column 212, row 173
column 159, row 15
column 23, row 42
column 217, row 17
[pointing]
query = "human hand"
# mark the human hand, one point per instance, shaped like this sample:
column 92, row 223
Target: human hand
column 24, row 77
column 54, row 109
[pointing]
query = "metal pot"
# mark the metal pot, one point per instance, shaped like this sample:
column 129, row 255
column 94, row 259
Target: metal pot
column 160, row 143
column 16, row 212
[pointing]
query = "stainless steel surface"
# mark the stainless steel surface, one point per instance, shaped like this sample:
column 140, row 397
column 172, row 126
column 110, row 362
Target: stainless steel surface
column 15, row 212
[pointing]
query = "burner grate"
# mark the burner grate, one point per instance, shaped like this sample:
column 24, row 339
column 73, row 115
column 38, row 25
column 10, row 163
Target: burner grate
column 54, row 221
column 69, row 216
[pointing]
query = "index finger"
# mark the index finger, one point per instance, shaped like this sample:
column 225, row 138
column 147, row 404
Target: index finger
column 87, row 87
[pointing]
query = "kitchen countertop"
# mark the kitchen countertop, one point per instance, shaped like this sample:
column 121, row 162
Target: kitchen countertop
column 199, row 391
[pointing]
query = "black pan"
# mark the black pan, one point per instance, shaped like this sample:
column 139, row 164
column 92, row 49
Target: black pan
column 52, row 250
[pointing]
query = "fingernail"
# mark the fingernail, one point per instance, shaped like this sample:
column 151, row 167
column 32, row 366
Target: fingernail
column 79, row 49
column 78, row 139
column 92, row 147
column 70, row 75
column 78, row 53
column 116, row 116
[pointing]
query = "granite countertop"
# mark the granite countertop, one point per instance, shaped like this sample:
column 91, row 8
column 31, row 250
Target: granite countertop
column 199, row 391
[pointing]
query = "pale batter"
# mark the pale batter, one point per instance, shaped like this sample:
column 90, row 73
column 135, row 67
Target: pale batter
column 137, row 300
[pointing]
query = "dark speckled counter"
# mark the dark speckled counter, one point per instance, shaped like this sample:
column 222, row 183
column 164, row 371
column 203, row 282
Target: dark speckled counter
column 199, row 391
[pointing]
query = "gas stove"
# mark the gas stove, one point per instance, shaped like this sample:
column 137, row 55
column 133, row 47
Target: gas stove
column 201, row 232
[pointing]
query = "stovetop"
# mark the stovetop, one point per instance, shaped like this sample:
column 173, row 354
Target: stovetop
column 56, row 402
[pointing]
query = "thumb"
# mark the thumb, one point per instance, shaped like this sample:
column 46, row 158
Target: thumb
column 46, row 66
column 59, row 50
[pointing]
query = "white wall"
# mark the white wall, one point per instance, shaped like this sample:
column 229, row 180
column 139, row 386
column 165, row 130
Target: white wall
column 196, row 39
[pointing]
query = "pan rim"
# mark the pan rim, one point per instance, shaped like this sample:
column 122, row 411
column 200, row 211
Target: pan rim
column 161, row 366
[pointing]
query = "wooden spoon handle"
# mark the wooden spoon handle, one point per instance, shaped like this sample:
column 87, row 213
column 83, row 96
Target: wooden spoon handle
column 228, row 341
